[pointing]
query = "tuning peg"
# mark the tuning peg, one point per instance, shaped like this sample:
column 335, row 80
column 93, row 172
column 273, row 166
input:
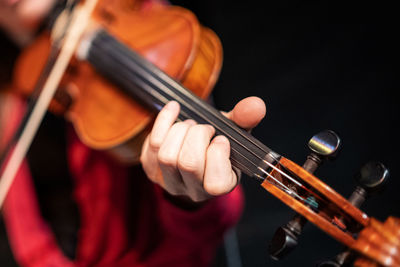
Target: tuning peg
column 329, row 263
column 343, row 259
column 285, row 237
column 323, row 146
column 370, row 179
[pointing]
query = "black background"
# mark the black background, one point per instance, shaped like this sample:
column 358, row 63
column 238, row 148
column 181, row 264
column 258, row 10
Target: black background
column 318, row 65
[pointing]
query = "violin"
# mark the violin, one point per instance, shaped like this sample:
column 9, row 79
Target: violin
column 115, row 60
column 184, row 50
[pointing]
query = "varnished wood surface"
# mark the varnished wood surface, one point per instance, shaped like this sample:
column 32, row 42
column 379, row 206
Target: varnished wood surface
column 307, row 212
column 169, row 37
column 379, row 242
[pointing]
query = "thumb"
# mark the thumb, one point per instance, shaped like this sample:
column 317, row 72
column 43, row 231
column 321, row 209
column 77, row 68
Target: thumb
column 248, row 112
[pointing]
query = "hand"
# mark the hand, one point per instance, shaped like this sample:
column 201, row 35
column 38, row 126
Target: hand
column 187, row 160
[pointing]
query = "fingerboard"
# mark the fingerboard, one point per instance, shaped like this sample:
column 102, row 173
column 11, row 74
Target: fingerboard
column 142, row 80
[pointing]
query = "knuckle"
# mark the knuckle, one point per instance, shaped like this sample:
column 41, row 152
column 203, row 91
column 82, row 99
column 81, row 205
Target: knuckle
column 188, row 164
column 181, row 123
column 142, row 160
column 179, row 127
column 166, row 159
column 202, row 130
column 154, row 144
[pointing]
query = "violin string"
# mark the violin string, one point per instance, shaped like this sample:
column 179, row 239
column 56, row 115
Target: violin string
column 283, row 186
column 174, row 96
column 290, row 191
column 286, row 189
column 284, row 174
column 157, row 79
column 149, row 78
column 261, row 159
column 156, row 73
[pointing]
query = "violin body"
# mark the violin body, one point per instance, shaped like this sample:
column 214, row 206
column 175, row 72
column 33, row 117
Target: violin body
column 103, row 117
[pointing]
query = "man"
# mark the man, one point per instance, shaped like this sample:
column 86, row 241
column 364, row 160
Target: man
column 124, row 220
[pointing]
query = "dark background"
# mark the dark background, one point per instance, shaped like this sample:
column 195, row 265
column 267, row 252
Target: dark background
column 318, row 65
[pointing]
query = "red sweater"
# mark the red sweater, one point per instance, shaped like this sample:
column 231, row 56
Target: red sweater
column 165, row 235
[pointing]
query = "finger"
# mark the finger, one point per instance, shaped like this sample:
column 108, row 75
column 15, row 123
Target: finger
column 219, row 178
column 148, row 159
column 192, row 157
column 248, row 112
column 168, row 157
column 165, row 119
column 153, row 141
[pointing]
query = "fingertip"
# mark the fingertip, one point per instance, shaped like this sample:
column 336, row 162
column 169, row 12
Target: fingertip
column 219, row 178
column 221, row 140
column 172, row 106
column 211, row 130
column 163, row 122
column 220, row 187
column 249, row 112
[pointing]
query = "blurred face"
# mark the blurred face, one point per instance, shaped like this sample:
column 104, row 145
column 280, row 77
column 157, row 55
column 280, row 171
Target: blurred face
column 23, row 15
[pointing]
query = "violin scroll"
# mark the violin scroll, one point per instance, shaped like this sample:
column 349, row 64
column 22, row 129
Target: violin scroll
column 379, row 244
column 323, row 146
column 368, row 242
column 370, row 179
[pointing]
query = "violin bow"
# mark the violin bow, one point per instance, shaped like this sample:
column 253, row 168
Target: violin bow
column 78, row 24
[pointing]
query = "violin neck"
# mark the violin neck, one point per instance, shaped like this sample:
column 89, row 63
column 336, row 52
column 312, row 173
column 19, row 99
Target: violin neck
column 142, row 80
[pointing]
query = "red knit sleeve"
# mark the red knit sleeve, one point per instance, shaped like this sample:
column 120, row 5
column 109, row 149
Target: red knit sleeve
column 198, row 233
